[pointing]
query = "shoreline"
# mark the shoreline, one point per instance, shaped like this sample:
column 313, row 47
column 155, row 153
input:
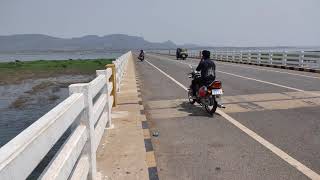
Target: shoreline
column 19, row 71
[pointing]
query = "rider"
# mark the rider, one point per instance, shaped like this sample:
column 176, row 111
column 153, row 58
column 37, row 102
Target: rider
column 208, row 74
column 141, row 55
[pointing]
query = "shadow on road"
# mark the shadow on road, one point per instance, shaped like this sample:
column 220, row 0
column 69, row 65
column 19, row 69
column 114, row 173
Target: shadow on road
column 193, row 110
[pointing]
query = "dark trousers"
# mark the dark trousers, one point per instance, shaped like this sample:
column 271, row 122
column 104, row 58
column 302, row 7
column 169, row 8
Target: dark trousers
column 195, row 85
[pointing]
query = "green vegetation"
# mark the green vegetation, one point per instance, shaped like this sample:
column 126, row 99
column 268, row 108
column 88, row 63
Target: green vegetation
column 15, row 72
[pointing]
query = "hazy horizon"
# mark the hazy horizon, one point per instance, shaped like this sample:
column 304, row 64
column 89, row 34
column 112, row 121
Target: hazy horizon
column 162, row 41
column 246, row 23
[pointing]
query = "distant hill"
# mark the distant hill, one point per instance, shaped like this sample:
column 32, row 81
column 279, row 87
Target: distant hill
column 39, row 42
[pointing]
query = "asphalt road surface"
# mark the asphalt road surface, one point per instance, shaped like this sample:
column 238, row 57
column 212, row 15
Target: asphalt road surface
column 269, row 130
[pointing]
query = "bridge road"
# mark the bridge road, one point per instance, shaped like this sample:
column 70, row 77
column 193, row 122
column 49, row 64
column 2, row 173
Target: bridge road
column 281, row 106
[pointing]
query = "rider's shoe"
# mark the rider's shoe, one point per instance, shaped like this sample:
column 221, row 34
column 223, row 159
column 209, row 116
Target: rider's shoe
column 221, row 106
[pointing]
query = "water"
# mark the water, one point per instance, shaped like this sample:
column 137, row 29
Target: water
column 51, row 55
column 22, row 104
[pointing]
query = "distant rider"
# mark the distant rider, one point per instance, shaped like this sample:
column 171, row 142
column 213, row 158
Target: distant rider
column 141, row 55
column 208, row 74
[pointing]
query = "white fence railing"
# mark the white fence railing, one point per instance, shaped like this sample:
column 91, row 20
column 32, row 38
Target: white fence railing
column 119, row 65
column 303, row 59
column 296, row 59
column 86, row 112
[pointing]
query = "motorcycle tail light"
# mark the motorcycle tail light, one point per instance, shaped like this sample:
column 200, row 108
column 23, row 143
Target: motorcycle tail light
column 203, row 91
column 216, row 85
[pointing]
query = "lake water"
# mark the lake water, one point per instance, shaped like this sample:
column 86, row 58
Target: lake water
column 23, row 104
column 29, row 56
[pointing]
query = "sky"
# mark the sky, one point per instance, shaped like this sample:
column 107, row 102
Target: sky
column 202, row 22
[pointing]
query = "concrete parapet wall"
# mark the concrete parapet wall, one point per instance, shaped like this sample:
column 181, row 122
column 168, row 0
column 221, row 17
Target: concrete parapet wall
column 87, row 111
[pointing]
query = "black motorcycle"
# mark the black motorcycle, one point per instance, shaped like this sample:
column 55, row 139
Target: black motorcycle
column 207, row 96
column 141, row 57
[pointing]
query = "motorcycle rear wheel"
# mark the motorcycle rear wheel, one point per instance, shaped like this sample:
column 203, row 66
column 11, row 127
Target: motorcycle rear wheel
column 211, row 109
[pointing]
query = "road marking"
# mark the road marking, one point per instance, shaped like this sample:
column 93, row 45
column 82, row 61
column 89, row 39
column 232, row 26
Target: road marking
column 274, row 84
column 253, row 79
column 283, row 155
column 270, row 70
column 181, row 85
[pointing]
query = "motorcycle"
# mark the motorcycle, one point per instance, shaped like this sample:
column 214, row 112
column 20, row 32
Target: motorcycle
column 141, row 57
column 208, row 97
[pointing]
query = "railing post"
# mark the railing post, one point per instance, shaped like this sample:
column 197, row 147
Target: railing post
column 259, row 57
column 87, row 120
column 270, row 57
column 240, row 56
column 233, row 57
column 249, row 56
column 284, row 58
column 114, row 83
column 301, row 57
column 106, row 92
column 116, row 66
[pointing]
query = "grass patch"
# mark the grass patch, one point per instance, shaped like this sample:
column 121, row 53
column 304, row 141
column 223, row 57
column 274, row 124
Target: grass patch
column 15, row 72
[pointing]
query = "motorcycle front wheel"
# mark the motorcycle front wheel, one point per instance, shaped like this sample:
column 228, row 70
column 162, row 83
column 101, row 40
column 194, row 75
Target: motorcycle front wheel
column 211, row 109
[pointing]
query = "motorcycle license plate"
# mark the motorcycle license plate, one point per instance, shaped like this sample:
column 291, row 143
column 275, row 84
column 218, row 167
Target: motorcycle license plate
column 217, row 91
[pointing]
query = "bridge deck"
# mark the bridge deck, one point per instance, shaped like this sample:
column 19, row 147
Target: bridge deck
column 280, row 106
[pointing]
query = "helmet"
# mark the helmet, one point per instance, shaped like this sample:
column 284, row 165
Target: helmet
column 206, row 54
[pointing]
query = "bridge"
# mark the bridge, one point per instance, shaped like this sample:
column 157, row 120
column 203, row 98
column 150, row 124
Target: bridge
column 269, row 130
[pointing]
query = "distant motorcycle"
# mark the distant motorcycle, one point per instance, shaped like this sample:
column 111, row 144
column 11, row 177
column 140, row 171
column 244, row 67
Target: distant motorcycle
column 141, row 57
column 208, row 97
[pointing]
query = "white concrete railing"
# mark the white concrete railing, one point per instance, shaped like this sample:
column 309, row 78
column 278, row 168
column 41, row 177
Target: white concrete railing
column 296, row 59
column 119, row 65
column 303, row 59
column 86, row 112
